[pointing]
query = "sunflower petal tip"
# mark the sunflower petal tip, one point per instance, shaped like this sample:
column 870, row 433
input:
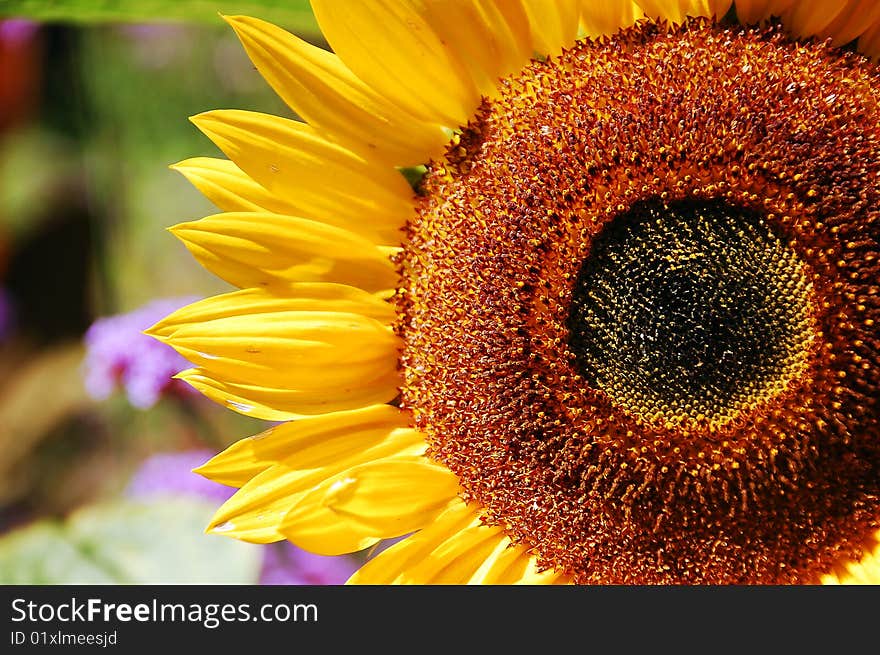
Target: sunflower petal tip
column 241, row 22
column 201, row 469
column 201, row 119
column 160, row 330
column 191, row 377
column 238, row 20
column 177, row 230
column 219, row 527
column 216, row 527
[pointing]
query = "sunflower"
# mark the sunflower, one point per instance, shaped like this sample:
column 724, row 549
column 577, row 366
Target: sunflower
column 560, row 292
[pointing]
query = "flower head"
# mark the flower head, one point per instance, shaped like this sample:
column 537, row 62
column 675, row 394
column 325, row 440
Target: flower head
column 622, row 330
column 119, row 354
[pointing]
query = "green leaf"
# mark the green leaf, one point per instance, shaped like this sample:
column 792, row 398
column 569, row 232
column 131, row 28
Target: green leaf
column 42, row 554
column 295, row 15
column 129, row 542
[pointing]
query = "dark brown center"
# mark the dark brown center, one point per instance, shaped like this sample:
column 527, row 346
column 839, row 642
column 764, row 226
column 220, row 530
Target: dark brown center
column 690, row 311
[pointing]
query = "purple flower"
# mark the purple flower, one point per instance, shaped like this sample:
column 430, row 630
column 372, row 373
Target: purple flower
column 15, row 31
column 171, row 473
column 117, row 353
column 283, row 563
column 7, row 315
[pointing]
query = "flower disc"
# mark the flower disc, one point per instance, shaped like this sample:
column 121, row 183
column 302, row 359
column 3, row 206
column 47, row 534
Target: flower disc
column 639, row 306
column 690, row 312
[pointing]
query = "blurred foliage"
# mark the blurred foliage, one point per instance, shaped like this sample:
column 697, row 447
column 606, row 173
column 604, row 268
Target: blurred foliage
column 56, row 369
column 131, row 138
column 128, row 542
column 85, row 197
column 295, row 15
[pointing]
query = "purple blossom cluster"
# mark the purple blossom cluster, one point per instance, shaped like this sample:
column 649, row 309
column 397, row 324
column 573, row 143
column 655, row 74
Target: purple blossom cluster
column 15, row 31
column 119, row 355
column 171, row 473
column 7, row 315
column 283, row 563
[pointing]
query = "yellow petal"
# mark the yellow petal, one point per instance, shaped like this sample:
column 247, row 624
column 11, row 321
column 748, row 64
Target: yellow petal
column 232, row 190
column 719, row 8
column 554, row 25
column 336, row 353
column 362, row 505
column 809, row 17
column 869, row 42
column 251, row 400
column 228, row 187
column 511, row 26
column 274, row 404
column 856, row 18
column 387, row 567
column 456, row 560
column 393, row 48
column 456, row 549
column 608, row 16
column 298, row 297
column 677, row 11
column 324, row 92
column 251, row 249
column 756, row 11
column 335, row 435
column 864, row 572
column 256, row 512
column 506, row 564
column 489, row 38
column 331, row 183
column 531, row 575
column 517, row 567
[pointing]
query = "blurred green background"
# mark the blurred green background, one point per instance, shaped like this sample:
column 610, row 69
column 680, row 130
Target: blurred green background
column 94, row 100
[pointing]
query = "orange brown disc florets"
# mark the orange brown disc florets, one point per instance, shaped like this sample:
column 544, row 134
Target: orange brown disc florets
column 639, row 307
